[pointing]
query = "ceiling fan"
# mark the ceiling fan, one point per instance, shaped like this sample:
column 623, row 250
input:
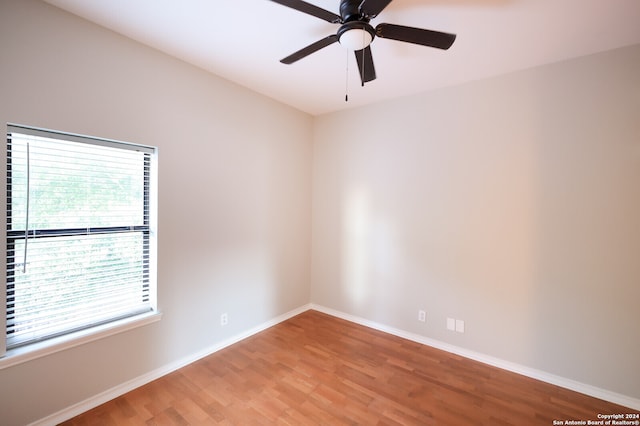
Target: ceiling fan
column 355, row 32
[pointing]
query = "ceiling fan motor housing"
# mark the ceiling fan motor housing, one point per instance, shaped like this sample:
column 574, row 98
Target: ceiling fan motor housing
column 350, row 10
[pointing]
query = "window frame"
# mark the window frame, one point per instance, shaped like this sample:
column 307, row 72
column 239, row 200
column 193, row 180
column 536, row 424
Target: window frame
column 22, row 353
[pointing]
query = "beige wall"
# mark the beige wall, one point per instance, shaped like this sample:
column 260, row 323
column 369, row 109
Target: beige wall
column 511, row 203
column 234, row 194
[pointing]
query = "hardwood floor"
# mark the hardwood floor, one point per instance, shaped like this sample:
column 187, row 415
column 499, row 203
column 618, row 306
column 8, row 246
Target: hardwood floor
column 316, row 369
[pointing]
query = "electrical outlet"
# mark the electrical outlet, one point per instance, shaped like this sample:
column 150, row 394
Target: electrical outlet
column 451, row 324
column 422, row 316
column 224, row 319
column 460, row 326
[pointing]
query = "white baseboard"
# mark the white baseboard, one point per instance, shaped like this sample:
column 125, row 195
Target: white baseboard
column 123, row 388
column 553, row 379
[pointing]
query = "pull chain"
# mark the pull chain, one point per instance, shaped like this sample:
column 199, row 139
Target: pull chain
column 363, row 65
column 346, row 91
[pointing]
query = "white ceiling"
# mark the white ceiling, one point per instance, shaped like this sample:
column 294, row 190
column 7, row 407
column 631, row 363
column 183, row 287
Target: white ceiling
column 244, row 40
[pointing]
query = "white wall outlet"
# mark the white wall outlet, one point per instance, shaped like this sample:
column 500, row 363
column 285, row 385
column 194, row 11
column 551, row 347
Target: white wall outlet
column 451, row 324
column 224, row 319
column 460, row 326
column 422, row 316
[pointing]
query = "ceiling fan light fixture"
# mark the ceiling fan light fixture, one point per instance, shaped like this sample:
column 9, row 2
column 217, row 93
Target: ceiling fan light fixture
column 356, row 35
column 356, row 39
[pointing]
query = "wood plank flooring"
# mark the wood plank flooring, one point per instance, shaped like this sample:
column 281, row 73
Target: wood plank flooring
column 315, row 369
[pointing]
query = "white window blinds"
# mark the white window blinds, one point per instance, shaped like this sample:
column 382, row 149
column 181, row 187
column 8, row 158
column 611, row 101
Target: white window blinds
column 78, row 233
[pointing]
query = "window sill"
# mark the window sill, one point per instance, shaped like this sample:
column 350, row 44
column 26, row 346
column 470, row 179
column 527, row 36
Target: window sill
column 37, row 350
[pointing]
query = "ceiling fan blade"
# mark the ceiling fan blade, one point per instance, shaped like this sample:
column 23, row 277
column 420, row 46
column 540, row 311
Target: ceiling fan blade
column 310, row 9
column 429, row 38
column 365, row 65
column 372, row 8
column 306, row 51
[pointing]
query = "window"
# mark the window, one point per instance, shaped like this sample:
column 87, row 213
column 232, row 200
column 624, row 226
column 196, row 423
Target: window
column 80, row 232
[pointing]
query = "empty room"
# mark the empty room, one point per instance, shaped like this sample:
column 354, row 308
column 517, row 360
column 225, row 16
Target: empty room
column 320, row 212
